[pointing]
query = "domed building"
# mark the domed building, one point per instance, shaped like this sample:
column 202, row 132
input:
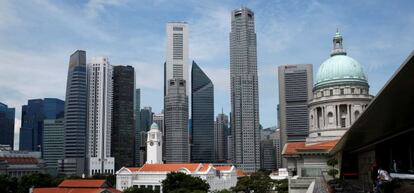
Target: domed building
column 340, row 94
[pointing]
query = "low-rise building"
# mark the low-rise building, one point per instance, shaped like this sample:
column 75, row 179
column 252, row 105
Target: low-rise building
column 20, row 163
column 151, row 175
column 81, row 186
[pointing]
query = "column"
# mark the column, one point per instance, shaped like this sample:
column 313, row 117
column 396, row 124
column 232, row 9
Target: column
column 337, row 115
column 350, row 115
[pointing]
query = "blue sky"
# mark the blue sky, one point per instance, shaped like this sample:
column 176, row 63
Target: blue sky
column 37, row 37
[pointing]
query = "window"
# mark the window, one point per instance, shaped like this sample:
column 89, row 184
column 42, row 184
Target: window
column 330, row 118
column 343, row 123
column 331, row 92
column 356, row 114
column 342, row 91
column 177, row 28
column 352, row 90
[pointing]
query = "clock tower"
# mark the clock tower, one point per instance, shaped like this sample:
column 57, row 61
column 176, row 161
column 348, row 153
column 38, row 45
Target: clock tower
column 154, row 145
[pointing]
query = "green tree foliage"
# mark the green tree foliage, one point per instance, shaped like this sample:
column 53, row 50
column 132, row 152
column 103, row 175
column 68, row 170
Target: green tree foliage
column 138, row 190
column 38, row 180
column 222, row 191
column 282, row 186
column 332, row 162
column 7, row 184
column 177, row 182
column 259, row 182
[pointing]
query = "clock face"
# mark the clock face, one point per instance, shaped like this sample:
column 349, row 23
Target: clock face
column 151, row 143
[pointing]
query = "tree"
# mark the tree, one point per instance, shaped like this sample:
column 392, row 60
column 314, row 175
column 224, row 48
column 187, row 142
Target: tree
column 332, row 162
column 222, row 191
column 38, row 180
column 282, row 186
column 7, row 184
column 178, row 182
column 259, row 182
column 138, row 190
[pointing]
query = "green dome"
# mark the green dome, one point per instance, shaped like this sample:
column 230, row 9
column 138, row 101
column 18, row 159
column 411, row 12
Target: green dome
column 340, row 70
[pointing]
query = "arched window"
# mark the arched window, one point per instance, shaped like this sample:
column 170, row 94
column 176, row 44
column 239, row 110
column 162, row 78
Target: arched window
column 330, row 118
column 356, row 114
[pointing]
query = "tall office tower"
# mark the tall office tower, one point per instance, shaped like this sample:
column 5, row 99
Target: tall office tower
column 244, row 91
column 221, row 133
column 202, row 116
column 53, row 144
column 137, row 113
column 146, row 115
column 33, row 115
column 295, row 90
column 73, row 163
column 278, row 148
column 100, row 92
column 146, row 119
column 176, row 122
column 7, row 116
column 123, row 123
column 175, row 91
column 177, row 53
column 267, row 149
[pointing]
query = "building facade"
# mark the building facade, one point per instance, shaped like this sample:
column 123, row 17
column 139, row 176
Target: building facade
column 244, row 91
column 176, row 123
column 221, row 133
column 7, row 116
column 53, row 144
column 176, row 96
column 123, row 123
column 75, row 117
column 340, row 95
column 33, row 115
column 146, row 116
column 137, row 115
column 154, row 145
column 202, row 116
column 20, row 163
column 100, row 93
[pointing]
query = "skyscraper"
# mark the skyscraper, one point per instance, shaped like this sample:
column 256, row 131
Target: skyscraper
column 33, row 115
column 146, row 115
column 75, row 117
column 137, row 112
column 146, row 119
column 7, row 116
column 176, row 123
column 176, row 97
column 295, row 91
column 123, row 123
column 244, row 91
column 159, row 120
column 202, row 116
column 53, row 143
column 221, row 133
column 177, row 52
column 100, row 92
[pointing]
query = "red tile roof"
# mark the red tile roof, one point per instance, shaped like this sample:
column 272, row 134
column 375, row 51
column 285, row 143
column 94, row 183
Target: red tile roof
column 293, row 148
column 82, row 184
column 19, row 160
column 223, row 168
column 134, row 169
column 241, row 173
column 75, row 190
column 192, row 167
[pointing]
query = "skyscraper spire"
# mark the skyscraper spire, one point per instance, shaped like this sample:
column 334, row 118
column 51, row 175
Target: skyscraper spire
column 337, row 44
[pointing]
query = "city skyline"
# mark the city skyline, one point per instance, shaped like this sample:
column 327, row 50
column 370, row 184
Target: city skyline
column 386, row 51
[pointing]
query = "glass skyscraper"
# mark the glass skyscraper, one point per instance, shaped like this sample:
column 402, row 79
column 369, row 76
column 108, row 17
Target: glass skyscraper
column 123, row 124
column 75, row 116
column 33, row 115
column 202, row 116
column 7, row 116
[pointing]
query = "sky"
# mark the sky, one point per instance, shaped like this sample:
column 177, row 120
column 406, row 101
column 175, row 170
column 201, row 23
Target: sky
column 38, row 36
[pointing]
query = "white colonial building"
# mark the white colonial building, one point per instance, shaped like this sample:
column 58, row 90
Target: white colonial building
column 340, row 95
column 151, row 174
